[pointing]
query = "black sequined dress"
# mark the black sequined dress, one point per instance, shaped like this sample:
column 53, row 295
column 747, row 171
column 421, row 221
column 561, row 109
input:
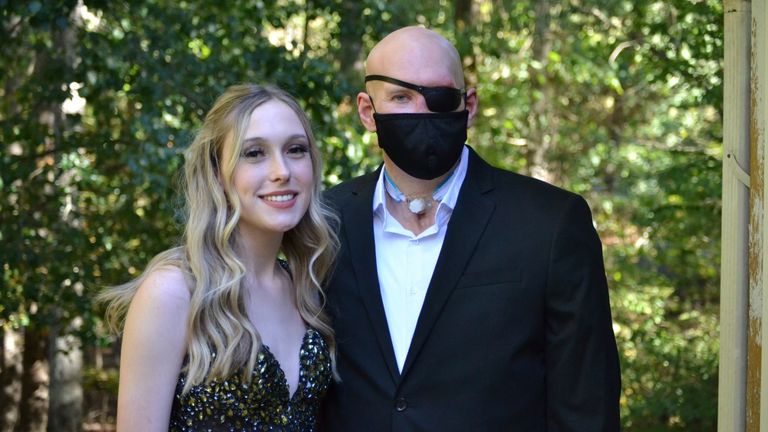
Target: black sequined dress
column 264, row 404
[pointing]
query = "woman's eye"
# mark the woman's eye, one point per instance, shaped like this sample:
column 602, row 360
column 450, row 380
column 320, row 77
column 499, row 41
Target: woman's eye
column 253, row 153
column 401, row 98
column 298, row 150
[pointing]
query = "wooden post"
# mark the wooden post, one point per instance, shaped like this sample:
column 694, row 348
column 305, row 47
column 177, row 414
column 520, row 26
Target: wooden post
column 757, row 237
column 734, row 264
column 758, row 304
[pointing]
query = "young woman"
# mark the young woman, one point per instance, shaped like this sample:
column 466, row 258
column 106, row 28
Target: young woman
column 220, row 333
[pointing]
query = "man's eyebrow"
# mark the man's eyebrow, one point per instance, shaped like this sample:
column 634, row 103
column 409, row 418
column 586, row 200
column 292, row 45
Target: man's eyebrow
column 393, row 88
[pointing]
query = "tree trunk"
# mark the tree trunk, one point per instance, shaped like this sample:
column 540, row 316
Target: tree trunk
column 351, row 54
column 33, row 406
column 65, row 410
column 10, row 375
column 462, row 20
column 541, row 129
column 65, row 358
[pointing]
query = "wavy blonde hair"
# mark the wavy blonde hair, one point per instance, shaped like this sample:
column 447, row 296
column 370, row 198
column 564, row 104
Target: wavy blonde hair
column 217, row 321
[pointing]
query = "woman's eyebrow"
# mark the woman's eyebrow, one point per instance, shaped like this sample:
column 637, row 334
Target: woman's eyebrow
column 253, row 140
column 261, row 140
column 295, row 136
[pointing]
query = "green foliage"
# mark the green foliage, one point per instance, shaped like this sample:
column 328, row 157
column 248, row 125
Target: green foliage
column 669, row 361
column 618, row 100
column 100, row 380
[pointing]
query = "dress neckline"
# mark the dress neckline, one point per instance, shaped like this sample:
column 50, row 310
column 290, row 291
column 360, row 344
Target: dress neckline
column 300, row 384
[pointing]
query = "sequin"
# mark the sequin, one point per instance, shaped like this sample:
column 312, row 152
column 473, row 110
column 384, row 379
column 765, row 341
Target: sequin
column 265, row 403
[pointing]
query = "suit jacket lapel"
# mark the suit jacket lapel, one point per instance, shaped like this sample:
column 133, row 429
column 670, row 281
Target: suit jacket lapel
column 358, row 226
column 468, row 221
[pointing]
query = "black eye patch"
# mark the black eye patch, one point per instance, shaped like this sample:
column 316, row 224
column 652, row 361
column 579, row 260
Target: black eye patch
column 439, row 99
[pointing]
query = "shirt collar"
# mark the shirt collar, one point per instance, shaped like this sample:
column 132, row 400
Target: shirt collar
column 449, row 199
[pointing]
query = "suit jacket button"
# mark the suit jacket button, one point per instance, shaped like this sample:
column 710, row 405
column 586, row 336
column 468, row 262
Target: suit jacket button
column 401, row 404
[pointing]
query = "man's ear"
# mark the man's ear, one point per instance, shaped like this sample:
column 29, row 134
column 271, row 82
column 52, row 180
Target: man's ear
column 471, row 104
column 365, row 111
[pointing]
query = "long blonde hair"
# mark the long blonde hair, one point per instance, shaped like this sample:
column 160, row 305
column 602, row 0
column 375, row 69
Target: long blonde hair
column 217, row 321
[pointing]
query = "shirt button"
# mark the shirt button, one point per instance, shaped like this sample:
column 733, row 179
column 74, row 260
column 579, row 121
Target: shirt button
column 401, row 404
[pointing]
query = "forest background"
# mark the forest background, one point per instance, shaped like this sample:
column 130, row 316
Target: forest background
column 618, row 100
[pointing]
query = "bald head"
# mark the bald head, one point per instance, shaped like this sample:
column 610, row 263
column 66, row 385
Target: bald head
column 408, row 59
column 417, row 55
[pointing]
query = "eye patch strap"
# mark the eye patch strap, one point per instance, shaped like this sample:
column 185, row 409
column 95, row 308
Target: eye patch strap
column 407, row 85
column 393, row 81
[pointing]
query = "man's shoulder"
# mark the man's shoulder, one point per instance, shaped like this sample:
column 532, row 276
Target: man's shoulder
column 515, row 193
column 508, row 181
column 345, row 187
column 337, row 195
column 531, row 184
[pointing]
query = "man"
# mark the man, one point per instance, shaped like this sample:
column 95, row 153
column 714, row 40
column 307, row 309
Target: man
column 465, row 297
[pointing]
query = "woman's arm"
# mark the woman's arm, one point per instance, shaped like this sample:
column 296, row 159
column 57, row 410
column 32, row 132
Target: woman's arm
column 154, row 343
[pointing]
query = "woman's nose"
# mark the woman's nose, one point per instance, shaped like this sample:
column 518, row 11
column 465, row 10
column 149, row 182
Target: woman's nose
column 279, row 170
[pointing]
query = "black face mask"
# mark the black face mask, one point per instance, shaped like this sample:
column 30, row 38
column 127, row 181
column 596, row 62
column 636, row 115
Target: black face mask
column 425, row 146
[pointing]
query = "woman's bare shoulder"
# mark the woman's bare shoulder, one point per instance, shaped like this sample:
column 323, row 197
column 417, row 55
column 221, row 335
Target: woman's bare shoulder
column 164, row 289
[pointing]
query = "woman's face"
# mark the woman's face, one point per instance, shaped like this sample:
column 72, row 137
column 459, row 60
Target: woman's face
column 273, row 176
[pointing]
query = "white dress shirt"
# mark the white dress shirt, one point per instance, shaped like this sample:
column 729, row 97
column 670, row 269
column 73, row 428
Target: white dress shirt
column 405, row 262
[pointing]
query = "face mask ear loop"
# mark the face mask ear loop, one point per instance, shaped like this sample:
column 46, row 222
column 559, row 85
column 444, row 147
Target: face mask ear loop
column 371, row 98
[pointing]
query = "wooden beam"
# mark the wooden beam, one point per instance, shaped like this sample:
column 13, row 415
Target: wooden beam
column 758, row 304
column 734, row 261
column 757, row 243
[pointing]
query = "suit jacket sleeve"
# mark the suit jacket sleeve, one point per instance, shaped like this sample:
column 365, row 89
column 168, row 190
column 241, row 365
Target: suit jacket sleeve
column 582, row 367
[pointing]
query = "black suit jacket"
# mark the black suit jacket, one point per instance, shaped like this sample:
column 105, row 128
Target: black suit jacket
column 515, row 332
